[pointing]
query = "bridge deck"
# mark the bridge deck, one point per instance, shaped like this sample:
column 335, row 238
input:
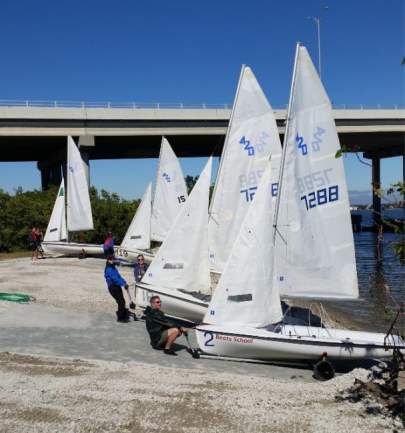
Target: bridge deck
column 39, row 133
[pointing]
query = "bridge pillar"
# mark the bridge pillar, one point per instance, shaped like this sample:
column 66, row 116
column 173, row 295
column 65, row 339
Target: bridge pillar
column 86, row 143
column 403, row 182
column 50, row 175
column 85, row 158
column 376, row 183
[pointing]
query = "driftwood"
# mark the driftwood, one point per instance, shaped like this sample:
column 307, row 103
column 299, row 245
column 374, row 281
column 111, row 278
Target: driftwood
column 384, row 392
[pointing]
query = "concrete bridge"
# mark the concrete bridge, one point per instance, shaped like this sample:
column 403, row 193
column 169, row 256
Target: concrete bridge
column 37, row 132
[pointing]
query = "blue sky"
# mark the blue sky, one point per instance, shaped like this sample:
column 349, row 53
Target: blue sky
column 191, row 52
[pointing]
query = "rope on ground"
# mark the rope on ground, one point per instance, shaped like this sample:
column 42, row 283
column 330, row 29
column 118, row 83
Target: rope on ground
column 21, row 298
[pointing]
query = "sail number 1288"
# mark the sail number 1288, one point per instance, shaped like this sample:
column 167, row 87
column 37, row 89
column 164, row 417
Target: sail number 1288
column 321, row 196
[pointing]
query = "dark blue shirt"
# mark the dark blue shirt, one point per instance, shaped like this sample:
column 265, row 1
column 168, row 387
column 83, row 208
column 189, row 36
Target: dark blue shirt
column 113, row 277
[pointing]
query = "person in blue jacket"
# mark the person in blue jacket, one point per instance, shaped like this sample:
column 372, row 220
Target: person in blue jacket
column 115, row 283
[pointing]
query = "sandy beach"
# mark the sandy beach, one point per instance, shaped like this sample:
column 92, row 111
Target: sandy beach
column 67, row 366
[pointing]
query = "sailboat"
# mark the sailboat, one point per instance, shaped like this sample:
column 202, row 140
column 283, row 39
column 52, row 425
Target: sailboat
column 251, row 138
column 56, row 229
column 180, row 271
column 170, row 194
column 77, row 213
column 137, row 238
column 244, row 318
column 153, row 222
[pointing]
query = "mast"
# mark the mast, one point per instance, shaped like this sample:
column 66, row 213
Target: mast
column 158, row 168
column 227, row 136
column 286, row 132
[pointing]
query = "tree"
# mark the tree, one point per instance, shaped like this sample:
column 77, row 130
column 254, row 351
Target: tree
column 24, row 210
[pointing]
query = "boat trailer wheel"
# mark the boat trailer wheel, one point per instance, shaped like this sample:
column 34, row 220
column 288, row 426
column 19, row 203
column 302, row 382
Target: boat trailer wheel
column 323, row 369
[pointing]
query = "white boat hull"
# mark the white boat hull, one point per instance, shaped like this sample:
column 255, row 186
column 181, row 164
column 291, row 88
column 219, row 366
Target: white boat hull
column 174, row 303
column 132, row 254
column 71, row 248
column 75, row 248
column 294, row 343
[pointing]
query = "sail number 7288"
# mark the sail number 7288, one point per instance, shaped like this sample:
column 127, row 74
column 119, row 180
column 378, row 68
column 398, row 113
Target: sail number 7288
column 321, row 196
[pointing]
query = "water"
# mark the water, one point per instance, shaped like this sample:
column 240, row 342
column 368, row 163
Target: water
column 367, row 215
column 381, row 281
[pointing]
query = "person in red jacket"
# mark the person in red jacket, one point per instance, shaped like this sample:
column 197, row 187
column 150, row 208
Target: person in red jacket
column 108, row 245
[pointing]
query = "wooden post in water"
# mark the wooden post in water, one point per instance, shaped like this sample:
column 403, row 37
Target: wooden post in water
column 403, row 180
column 376, row 183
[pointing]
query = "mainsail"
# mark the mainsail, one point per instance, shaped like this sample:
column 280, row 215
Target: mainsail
column 170, row 192
column 314, row 240
column 138, row 233
column 245, row 295
column 56, row 229
column 79, row 216
column 251, row 138
column 182, row 260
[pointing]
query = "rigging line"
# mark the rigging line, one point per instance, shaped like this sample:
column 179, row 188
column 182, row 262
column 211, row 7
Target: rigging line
column 361, row 160
column 286, row 134
column 279, row 233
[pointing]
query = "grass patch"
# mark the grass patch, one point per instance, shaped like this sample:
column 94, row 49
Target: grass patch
column 15, row 255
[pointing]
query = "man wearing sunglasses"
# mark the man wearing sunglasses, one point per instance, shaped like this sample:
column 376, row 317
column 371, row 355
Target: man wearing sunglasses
column 162, row 331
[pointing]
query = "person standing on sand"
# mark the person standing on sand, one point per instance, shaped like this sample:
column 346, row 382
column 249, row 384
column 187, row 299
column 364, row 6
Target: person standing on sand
column 39, row 238
column 115, row 283
column 32, row 238
column 162, row 331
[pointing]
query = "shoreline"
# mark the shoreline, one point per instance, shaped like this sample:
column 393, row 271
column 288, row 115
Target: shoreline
column 67, row 366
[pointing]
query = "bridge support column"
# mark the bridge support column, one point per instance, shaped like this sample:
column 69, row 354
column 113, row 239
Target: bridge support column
column 50, row 175
column 86, row 143
column 403, row 180
column 85, row 158
column 376, row 183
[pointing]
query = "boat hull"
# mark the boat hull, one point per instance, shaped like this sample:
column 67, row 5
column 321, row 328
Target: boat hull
column 131, row 255
column 174, row 303
column 294, row 343
column 72, row 248
column 75, row 249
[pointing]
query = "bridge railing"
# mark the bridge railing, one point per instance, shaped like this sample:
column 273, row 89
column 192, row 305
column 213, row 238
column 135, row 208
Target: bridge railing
column 161, row 105
column 107, row 104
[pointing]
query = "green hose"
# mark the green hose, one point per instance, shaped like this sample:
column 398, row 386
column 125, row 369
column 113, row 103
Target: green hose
column 21, row 298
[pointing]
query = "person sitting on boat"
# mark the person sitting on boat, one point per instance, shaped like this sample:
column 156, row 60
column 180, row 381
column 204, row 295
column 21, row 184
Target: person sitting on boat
column 162, row 331
column 140, row 268
column 115, row 283
column 108, row 245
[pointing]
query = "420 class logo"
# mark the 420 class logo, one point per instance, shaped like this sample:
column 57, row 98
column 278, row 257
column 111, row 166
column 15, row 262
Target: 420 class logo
column 167, row 177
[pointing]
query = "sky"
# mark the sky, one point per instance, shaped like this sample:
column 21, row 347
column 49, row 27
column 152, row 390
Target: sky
column 191, row 52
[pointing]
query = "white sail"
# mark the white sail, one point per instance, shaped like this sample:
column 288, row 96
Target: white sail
column 182, row 260
column 244, row 294
column 314, row 240
column 170, row 192
column 56, row 229
column 138, row 233
column 79, row 216
column 251, row 138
